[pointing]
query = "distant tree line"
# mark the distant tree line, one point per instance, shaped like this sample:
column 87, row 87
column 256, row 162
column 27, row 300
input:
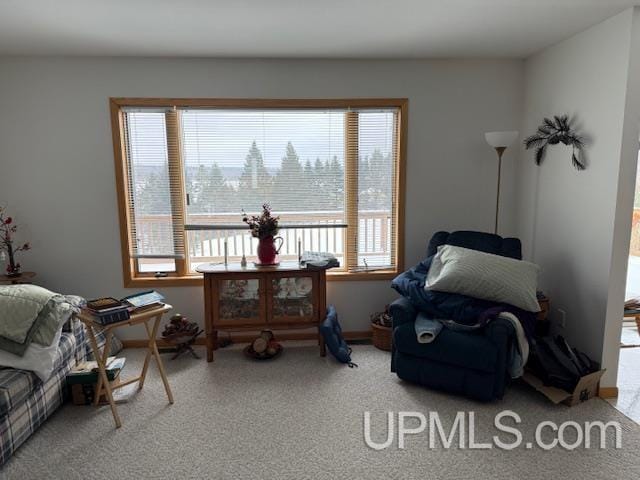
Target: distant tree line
column 295, row 186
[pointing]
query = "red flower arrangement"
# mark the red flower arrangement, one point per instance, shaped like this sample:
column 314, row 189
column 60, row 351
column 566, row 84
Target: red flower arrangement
column 263, row 225
column 7, row 231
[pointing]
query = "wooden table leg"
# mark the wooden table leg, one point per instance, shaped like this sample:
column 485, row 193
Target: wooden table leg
column 103, row 375
column 209, row 348
column 105, row 356
column 154, row 350
column 147, row 358
column 210, row 306
column 638, row 322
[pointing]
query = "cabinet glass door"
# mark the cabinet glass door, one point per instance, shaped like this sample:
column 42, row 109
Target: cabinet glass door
column 239, row 301
column 292, row 299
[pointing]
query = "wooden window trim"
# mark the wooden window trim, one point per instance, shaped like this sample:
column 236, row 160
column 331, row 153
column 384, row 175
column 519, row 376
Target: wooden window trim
column 176, row 186
column 351, row 189
column 133, row 278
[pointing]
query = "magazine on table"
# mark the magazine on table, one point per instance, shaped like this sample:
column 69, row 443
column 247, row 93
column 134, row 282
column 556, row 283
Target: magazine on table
column 143, row 300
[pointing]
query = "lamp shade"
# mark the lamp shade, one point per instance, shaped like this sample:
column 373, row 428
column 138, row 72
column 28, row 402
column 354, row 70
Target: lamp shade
column 501, row 139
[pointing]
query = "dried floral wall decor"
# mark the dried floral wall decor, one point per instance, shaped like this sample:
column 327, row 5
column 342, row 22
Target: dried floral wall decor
column 553, row 132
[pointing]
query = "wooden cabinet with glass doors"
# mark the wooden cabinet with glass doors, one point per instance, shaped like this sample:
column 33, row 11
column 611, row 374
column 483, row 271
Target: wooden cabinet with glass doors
column 283, row 297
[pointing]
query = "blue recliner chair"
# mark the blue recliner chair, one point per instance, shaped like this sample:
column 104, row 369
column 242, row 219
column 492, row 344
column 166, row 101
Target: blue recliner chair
column 471, row 364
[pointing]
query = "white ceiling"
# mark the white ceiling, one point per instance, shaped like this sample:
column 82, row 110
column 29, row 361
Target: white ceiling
column 295, row 28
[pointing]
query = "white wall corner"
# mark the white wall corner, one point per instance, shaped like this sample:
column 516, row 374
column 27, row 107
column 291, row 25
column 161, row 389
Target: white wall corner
column 576, row 224
column 624, row 209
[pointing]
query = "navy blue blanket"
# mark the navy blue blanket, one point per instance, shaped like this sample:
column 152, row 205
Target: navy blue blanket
column 452, row 306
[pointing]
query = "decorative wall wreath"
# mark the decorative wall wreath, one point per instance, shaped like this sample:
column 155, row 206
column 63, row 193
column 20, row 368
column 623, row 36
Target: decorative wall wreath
column 553, row 132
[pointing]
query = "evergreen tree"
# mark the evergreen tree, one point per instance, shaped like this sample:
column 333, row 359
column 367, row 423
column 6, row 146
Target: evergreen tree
column 308, row 170
column 153, row 196
column 209, row 192
column 288, row 182
column 256, row 184
column 319, row 168
column 254, row 173
column 310, row 184
column 364, row 183
column 336, row 184
column 375, row 180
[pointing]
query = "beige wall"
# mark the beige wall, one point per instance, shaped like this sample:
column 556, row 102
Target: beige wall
column 57, row 173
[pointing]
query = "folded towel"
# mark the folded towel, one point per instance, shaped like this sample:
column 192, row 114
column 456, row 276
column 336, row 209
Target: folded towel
column 427, row 329
column 519, row 358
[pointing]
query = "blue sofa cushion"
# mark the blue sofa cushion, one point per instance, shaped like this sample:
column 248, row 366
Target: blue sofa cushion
column 463, row 349
column 332, row 334
column 481, row 241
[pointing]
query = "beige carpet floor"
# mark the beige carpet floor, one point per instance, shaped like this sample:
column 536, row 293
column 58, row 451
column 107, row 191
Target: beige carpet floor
column 301, row 417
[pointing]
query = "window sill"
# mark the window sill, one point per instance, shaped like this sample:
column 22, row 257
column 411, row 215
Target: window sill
column 361, row 276
column 196, row 280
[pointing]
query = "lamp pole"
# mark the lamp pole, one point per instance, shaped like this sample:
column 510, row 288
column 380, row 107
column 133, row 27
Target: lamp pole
column 500, row 151
column 500, row 141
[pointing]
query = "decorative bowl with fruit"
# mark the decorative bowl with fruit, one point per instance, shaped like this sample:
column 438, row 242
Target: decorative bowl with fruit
column 265, row 347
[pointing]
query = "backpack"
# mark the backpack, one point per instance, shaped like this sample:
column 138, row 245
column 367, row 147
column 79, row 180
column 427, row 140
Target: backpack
column 332, row 333
column 557, row 364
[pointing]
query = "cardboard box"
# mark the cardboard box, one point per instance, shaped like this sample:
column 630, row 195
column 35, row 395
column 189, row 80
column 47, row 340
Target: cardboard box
column 84, row 393
column 586, row 388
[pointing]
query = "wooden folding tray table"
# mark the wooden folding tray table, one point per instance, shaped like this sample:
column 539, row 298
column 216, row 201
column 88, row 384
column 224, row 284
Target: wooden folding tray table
column 152, row 315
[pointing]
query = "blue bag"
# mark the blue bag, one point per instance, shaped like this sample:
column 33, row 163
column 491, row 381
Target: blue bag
column 332, row 334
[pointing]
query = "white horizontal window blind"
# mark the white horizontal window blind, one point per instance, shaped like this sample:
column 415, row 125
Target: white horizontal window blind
column 377, row 176
column 330, row 173
column 372, row 159
column 236, row 160
column 155, row 232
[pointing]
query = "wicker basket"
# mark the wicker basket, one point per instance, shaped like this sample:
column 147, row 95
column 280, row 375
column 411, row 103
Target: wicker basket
column 381, row 337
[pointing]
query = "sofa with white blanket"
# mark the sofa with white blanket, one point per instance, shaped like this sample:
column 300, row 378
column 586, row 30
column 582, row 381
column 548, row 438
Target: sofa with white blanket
column 32, row 374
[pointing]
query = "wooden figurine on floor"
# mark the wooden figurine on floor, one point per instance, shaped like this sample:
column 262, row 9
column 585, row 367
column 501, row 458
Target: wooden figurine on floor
column 182, row 333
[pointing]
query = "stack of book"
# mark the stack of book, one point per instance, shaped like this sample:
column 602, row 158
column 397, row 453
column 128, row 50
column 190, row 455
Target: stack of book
column 108, row 310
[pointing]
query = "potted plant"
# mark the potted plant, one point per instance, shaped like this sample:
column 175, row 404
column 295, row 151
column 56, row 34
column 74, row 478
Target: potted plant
column 264, row 227
column 7, row 231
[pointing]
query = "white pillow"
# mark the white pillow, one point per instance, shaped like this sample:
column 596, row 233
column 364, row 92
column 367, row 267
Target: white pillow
column 36, row 358
column 485, row 276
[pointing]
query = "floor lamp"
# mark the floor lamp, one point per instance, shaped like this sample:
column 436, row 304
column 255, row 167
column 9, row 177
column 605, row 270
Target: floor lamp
column 500, row 141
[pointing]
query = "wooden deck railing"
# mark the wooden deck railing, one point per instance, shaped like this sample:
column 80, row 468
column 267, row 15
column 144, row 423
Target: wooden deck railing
column 208, row 245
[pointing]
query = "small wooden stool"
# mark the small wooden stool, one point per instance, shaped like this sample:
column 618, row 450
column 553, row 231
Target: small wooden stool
column 103, row 385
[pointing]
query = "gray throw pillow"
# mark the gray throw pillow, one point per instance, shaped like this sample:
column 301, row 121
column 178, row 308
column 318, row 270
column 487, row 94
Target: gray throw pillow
column 485, row 276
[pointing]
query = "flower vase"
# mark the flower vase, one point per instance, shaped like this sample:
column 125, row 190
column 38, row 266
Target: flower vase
column 13, row 269
column 267, row 251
